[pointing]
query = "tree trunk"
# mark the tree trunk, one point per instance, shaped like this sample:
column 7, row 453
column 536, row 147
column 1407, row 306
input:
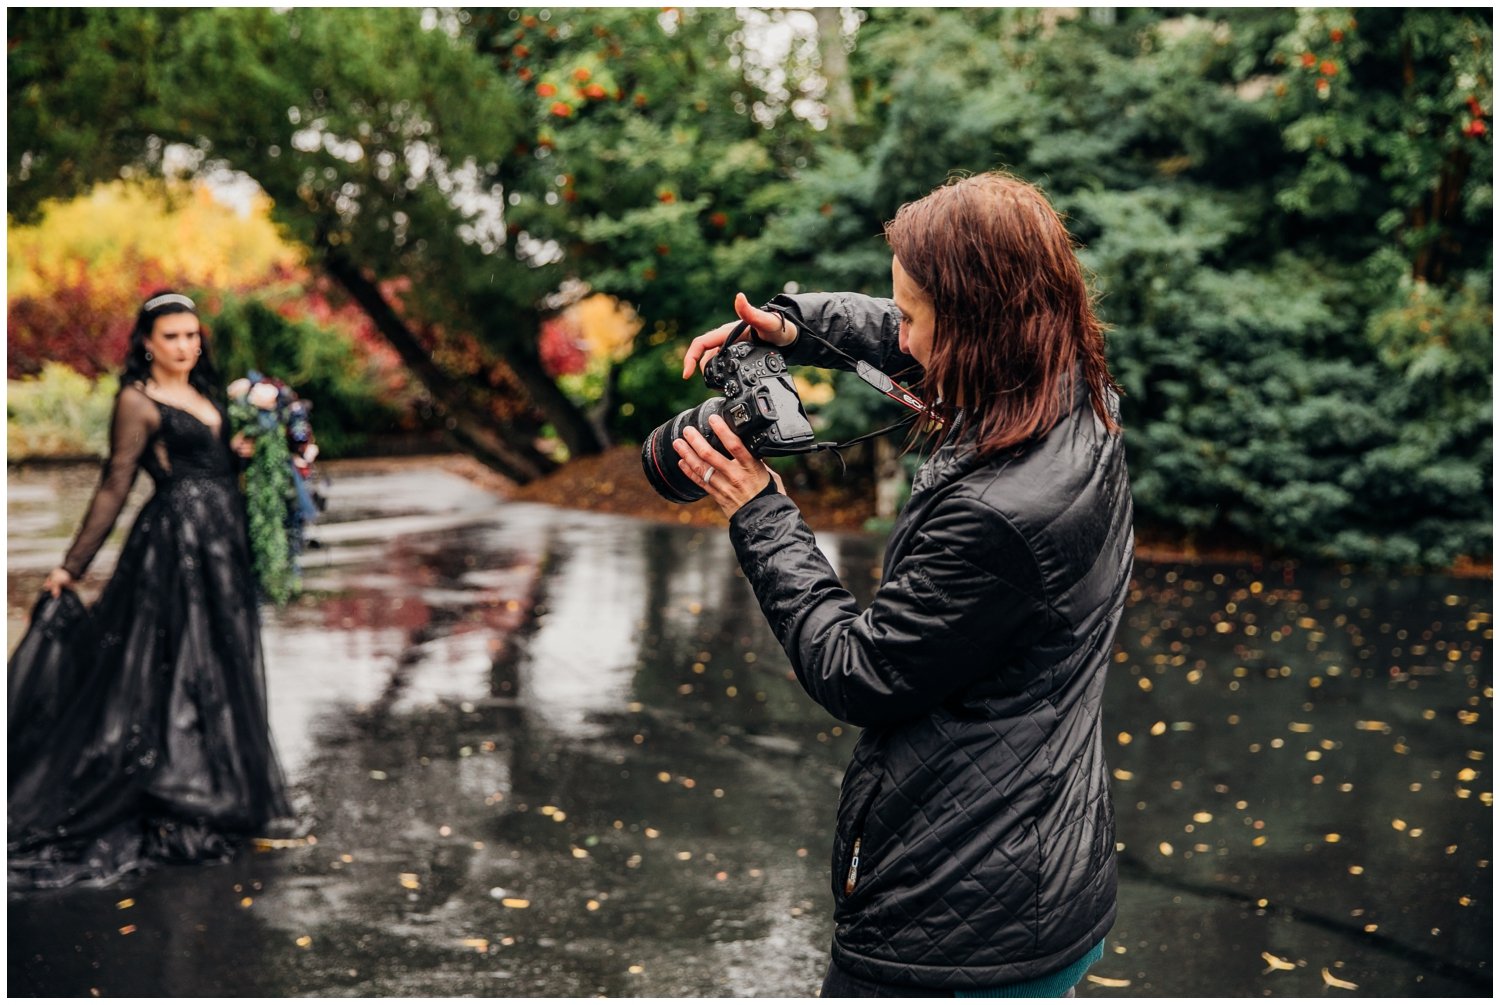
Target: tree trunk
column 573, row 427
column 839, row 96
column 1444, row 203
column 890, row 479
column 608, row 401
column 479, row 434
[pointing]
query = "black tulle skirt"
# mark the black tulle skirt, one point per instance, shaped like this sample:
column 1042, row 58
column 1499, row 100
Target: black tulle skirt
column 138, row 729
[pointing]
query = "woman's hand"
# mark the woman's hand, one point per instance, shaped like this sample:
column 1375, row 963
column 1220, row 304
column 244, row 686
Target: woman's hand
column 58, row 579
column 729, row 481
column 242, row 445
column 770, row 326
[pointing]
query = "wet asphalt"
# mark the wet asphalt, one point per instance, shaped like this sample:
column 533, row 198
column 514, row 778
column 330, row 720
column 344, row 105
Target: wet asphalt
column 546, row 752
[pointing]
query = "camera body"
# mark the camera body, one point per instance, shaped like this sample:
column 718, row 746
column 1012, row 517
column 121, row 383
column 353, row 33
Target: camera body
column 759, row 402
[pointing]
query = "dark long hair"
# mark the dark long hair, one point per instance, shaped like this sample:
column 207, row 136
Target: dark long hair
column 1013, row 316
column 204, row 377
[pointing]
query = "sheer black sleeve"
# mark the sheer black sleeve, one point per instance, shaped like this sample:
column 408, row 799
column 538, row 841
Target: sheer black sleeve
column 135, row 421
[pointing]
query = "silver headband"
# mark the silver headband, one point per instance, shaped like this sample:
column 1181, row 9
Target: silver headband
column 169, row 298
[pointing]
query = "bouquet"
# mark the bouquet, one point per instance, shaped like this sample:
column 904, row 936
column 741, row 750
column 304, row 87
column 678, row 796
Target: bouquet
column 280, row 494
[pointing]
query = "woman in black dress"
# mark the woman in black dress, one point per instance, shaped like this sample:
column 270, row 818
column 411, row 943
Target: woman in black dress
column 159, row 749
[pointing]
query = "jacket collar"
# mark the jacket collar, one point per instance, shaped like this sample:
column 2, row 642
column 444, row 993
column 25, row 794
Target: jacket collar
column 959, row 456
column 950, row 461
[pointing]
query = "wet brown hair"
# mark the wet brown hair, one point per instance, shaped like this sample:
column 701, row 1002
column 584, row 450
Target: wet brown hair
column 1014, row 320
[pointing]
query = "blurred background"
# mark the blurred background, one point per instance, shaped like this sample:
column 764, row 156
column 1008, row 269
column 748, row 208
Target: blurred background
column 498, row 228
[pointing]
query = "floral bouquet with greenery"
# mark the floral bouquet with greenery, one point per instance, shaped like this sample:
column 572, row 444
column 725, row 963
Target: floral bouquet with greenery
column 279, row 495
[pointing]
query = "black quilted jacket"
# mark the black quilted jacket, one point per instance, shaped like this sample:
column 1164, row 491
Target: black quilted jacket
column 977, row 803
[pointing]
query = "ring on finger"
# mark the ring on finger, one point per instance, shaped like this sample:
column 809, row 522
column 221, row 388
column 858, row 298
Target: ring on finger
column 708, row 473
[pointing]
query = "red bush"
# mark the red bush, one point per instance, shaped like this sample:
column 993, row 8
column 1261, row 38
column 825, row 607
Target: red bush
column 562, row 348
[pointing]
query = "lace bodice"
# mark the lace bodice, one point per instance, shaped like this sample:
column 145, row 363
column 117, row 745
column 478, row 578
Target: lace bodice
column 169, row 443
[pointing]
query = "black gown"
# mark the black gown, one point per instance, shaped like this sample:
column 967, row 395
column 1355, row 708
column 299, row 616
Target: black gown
column 159, row 748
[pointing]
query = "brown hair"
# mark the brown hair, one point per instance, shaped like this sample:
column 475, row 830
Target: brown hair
column 1013, row 316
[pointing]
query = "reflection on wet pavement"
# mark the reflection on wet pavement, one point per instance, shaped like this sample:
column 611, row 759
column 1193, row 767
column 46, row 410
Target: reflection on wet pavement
column 546, row 752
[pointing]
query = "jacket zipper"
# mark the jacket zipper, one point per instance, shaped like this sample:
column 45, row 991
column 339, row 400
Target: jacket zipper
column 853, row 869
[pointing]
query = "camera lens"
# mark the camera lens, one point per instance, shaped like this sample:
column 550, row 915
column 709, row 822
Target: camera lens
column 659, row 459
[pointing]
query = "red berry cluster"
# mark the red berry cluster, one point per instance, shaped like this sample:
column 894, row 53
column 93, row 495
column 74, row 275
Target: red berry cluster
column 1475, row 127
column 1327, row 68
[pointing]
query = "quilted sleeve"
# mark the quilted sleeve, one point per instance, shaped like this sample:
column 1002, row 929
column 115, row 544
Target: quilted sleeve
column 866, row 328
column 962, row 600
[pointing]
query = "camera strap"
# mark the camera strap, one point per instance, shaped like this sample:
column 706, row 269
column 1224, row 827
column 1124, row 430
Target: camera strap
column 877, row 379
column 904, row 423
column 880, row 382
column 886, row 386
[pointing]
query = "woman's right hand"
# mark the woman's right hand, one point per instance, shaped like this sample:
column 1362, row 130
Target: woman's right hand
column 58, row 579
column 770, row 326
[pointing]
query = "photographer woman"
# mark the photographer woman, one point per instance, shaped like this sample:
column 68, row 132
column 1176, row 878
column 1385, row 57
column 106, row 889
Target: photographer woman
column 974, row 852
column 141, row 735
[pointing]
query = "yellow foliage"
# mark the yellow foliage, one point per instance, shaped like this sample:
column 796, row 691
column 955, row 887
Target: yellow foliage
column 820, row 393
column 606, row 325
column 190, row 235
column 58, row 413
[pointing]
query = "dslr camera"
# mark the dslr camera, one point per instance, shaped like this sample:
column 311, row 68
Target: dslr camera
column 759, row 401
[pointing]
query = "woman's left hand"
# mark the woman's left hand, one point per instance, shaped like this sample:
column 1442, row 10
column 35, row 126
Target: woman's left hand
column 242, row 445
column 730, row 481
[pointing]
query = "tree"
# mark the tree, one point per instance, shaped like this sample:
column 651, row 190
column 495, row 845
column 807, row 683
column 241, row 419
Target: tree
column 1293, row 253
column 373, row 133
column 658, row 146
column 483, row 158
column 1288, row 212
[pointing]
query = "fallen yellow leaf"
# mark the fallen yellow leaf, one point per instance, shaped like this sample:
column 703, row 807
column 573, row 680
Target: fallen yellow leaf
column 1277, row 963
column 516, row 902
column 1334, row 982
column 1109, row 982
column 275, row 844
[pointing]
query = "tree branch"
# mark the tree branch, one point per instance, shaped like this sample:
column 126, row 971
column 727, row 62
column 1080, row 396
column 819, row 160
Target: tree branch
column 488, row 440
